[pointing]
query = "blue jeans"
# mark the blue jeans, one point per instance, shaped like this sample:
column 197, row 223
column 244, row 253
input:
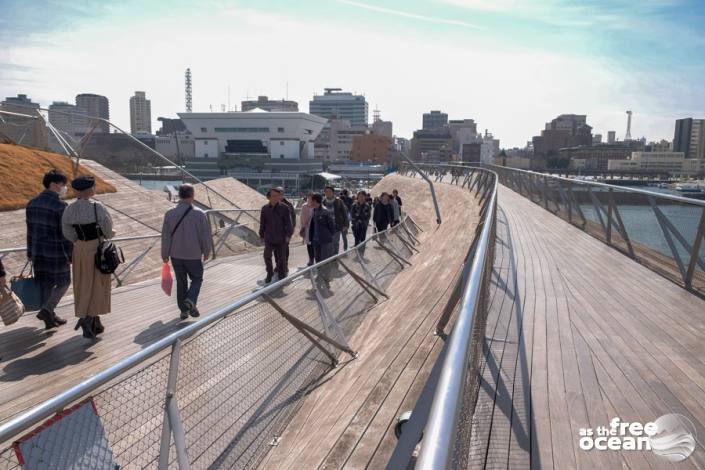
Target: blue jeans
column 185, row 269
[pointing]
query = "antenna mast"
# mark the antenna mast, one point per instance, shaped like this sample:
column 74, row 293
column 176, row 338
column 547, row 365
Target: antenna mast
column 189, row 101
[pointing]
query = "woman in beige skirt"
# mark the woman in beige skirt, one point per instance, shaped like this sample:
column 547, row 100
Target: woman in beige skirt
column 85, row 223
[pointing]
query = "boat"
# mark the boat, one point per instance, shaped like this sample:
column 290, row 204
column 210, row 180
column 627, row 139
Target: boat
column 688, row 187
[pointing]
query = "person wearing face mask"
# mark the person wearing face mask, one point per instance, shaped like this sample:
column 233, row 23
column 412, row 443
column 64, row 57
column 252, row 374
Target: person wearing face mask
column 47, row 249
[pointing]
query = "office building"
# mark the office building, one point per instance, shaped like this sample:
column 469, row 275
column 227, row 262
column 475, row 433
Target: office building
column 337, row 104
column 402, row 145
column 384, row 128
column 462, row 131
column 567, row 130
column 69, row 119
column 372, row 148
column 262, row 102
column 597, row 139
column 432, row 145
column 662, row 146
column 689, row 137
column 611, row 137
column 489, row 148
column 674, row 163
column 434, row 120
column 22, row 130
column 95, row 106
column 471, row 152
column 596, row 157
column 140, row 114
column 335, row 142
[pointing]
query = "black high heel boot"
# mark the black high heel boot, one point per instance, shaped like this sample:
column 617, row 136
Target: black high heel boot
column 98, row 326
column 87, row 325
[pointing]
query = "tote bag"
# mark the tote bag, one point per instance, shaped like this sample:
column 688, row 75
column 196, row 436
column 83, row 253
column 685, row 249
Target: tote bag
column 27, row 289
column 11, row 308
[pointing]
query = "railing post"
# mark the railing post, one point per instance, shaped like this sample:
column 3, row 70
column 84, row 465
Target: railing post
column 695, row 252
column 172, row 419
column 610, row 202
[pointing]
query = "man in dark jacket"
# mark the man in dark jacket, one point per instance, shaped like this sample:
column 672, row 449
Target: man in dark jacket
column 348, row 201
column 2, row 274
column 292, row 213
column 360, row 217
column 383, row 214
column 322, row 233
column 340, row 215
column 47, row 249
column 275, row 229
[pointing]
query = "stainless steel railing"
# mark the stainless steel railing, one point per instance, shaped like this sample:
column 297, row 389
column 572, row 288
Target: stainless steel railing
column 664, row 232
column 452, row 386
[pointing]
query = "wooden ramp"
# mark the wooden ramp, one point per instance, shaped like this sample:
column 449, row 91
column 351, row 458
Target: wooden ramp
column 35, row 364
column 578, row 334
column 349, row 420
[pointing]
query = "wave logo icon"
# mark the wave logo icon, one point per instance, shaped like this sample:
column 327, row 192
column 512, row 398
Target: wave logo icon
column 675, row 437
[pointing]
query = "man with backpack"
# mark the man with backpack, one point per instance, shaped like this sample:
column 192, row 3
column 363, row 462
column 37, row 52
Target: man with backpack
column 186, row 240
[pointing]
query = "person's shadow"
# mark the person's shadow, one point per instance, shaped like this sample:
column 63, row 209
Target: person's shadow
column 71, row 352
column 158, row 330
column 17, row 343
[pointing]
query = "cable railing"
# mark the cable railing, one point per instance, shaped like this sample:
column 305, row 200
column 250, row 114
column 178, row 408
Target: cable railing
column 218, row 392
column 664, row 232
column 441, row 420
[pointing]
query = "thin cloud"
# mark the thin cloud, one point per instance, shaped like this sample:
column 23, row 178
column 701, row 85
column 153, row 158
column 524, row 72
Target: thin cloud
column 413, row 16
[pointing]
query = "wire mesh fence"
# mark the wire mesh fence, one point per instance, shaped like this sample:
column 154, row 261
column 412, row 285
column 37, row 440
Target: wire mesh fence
column 239, row 380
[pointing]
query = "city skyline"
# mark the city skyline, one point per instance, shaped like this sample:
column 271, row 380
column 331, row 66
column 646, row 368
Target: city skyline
column 509, row 65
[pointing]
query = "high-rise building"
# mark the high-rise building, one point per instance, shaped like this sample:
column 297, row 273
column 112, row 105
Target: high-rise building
column 68, row 118
column 262, row 102
column 689, row 137
column 611, row 137
column 432, row 145
column 95, row 106
column 140, row 114
column 22, row 130
column 597, row 139
column 434, row 120
column 567, row 130
column 337, row 104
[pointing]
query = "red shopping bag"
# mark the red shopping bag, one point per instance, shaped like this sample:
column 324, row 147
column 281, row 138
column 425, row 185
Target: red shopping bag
column 167, row 280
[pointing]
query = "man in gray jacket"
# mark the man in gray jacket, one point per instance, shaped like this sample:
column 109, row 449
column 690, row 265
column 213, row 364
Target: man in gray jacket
column 186, row 239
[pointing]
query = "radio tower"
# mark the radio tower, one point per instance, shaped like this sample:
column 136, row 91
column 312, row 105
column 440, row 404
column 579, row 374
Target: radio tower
column 628, row 135
column 375, row 115
column 188, row 91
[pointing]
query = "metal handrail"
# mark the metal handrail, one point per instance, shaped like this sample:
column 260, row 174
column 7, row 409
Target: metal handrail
column 440, row 431
column 671, row 197
column 29, row 418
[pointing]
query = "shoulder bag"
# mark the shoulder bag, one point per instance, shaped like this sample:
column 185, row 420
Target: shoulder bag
column 108, row 256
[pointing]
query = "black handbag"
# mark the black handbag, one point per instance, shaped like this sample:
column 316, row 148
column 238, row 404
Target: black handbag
column 27, row 289
column 108, row 256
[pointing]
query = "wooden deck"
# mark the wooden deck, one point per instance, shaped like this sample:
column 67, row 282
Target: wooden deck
column 35, row 364
column 576, row 335
column 349, row 420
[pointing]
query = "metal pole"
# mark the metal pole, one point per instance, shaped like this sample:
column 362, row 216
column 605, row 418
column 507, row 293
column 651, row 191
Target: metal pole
column 430, row 184
column 172, row 419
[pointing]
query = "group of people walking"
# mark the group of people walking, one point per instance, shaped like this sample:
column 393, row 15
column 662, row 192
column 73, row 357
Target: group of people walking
column 62, row 238
column 324, row 222
column 64, row 243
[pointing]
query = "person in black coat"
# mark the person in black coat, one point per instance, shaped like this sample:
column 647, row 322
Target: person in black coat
column 360, row 217
column 275, row 231
column 383, row 213
column 322, row 235
column 2, row 274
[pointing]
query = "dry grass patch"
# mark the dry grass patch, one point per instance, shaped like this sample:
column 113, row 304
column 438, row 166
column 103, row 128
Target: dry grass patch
column 22, row 169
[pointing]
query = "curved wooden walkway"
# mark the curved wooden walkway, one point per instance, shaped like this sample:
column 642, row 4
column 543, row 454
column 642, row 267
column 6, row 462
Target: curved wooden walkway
column 578, row 334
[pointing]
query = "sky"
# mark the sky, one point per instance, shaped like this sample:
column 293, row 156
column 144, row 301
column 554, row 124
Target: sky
column 511, row 65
